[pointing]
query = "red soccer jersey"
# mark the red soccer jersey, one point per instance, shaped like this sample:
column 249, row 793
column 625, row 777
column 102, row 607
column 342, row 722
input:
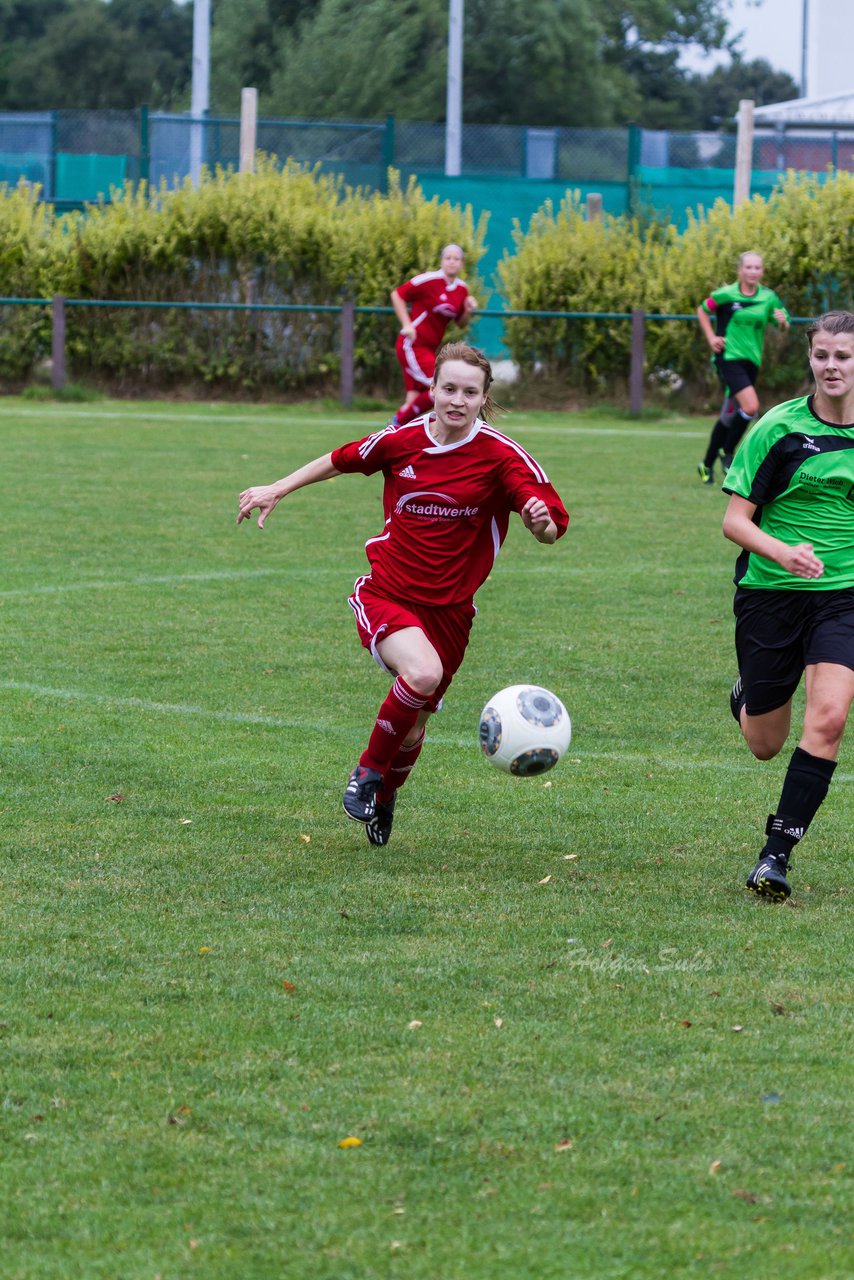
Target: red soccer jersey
column 432, row 304
column 447, row 506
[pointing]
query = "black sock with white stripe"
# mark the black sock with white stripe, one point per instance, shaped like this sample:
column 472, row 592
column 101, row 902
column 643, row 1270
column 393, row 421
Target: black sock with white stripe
column 804, row 788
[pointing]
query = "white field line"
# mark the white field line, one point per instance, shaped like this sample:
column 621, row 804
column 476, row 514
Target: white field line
column 289, row 571
column 277, row 722
column 164, row 579
column 140, row 418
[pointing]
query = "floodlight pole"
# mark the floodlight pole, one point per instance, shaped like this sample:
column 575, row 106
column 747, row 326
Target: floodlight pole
column 804, row 44
column 200, row 93
column 454, row 96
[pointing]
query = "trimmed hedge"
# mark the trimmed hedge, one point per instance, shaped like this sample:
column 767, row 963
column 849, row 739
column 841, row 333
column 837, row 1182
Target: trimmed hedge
column 295, row 235
column 805, row 232
column 280, row 235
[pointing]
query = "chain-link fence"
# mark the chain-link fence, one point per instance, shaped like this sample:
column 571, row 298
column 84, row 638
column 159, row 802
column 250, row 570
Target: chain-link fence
column 79, row 156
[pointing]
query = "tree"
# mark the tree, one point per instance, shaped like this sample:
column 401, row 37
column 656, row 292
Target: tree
column 246, row 36
column 719, row 94
column 96, row 53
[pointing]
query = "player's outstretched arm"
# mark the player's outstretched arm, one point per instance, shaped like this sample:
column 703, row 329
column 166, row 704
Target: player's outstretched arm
column 716, row 343
column 801, row 561
column 407, row 328
column 267, row 496
column 537, row 518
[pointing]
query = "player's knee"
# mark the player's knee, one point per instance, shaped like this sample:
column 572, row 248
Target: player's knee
column 763, row 750
column 825, row 729
column 763, row 745
column 424, row 675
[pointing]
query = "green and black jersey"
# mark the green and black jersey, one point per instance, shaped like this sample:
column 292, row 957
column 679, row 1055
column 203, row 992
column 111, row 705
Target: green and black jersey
column 799, row 471
column 742, row 319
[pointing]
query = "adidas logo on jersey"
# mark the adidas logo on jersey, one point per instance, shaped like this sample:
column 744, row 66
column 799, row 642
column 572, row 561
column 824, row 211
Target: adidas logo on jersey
column 408, row 473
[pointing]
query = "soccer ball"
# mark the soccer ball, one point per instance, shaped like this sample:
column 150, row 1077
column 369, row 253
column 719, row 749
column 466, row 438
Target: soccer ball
column 524, row 729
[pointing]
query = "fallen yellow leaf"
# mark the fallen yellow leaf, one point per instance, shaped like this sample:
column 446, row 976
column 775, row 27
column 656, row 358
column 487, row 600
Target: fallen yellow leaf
column 203, row 951
column 345, row 1143
column 414, row 1025
column 565, row 1144
column 305, row 839
column 545, row 880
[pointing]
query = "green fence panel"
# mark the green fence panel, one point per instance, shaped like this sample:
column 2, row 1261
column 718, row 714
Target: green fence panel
column 33, row 166
column 505, row 199
column 88, row 177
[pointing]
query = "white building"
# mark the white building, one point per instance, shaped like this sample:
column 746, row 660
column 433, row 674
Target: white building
column 829, row 41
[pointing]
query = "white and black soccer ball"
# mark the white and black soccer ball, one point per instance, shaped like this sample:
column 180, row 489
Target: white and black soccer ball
column 524, row 729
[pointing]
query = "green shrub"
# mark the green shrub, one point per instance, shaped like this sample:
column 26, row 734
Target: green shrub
column 564, row 263
column 282, row 235
column 25, row 261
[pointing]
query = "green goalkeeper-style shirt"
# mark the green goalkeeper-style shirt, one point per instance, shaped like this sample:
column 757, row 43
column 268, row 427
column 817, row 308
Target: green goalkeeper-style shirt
column 799, row 471
column 742, row 320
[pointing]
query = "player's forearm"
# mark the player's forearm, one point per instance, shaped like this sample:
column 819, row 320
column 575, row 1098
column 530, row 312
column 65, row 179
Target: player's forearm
column 313, row 472
column 741, row 530
column 399, row 308
column 706, row 326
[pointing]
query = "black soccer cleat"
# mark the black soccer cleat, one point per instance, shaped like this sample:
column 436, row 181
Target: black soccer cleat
column 705, row 473
column 378, row 828
column 737, row 700
column 360, row 796
column 768, row 877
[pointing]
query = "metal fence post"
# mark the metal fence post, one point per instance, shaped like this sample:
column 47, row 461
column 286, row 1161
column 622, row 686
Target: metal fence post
column 348, row 325
column 57, row 372
column 633, row 159
column 387, row 160
column 637, row 362
column 144, row 146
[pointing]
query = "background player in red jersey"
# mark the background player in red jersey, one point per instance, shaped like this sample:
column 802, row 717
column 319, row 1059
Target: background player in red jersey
column 425, row 306
column 452, row 482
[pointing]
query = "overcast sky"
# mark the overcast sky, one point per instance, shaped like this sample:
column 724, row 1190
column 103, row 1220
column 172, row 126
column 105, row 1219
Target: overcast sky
column 772, row 30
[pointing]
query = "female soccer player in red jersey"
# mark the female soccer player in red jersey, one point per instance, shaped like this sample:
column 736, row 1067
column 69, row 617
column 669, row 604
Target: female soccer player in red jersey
column 451, row 483
column 425, row 306
column 791, row 510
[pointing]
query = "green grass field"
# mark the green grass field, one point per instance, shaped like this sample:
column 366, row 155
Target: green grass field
column 623, row 1066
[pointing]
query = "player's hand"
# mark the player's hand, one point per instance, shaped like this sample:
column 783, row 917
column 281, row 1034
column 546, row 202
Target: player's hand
column 717, row 344
column 408, row 331
column 470, row 304
column 781, row 318
column 536, row 517
column 263, row 496
column 802, row 562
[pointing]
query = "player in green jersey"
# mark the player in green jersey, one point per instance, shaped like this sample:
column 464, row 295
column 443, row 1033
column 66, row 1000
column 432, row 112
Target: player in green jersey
column 791, row 510
column 742, row 311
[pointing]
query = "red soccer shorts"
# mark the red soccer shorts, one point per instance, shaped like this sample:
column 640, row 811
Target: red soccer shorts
column 447, row 628
column 417, row 362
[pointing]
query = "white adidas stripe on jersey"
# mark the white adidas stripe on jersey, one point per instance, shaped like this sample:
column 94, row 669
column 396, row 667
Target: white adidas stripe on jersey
column 523, row 453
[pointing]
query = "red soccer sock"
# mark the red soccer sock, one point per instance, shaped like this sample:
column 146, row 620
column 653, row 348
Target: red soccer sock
column 395, row 719
column 423, row 404
column 399, row 769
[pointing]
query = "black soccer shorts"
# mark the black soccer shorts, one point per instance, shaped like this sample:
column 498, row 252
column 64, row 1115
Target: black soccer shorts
column 735, row 375
column 779, row 633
